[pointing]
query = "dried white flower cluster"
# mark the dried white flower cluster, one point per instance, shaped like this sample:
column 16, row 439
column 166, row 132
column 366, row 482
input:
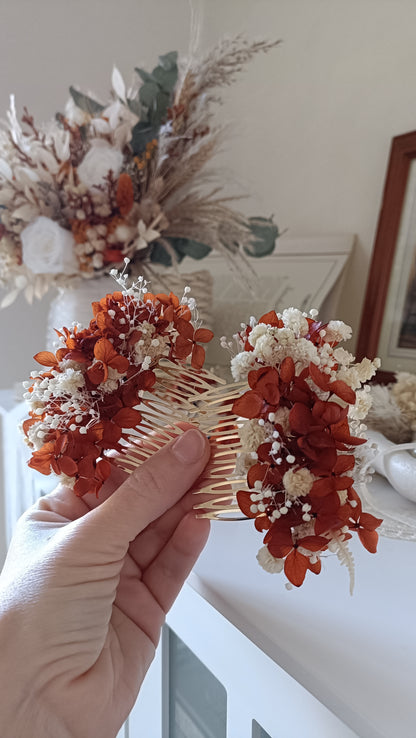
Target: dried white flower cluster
column 393, row 408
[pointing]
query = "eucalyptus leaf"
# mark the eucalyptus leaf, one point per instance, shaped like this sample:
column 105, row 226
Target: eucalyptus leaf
column 145, row 76
column 169, row 61
column 134, row 105
column 166, row 79
column 265, row 233
column 160, row 255
column 187, row 247
column 142, row 133
column 85, row 103
column 158, row 112
column 148, row 93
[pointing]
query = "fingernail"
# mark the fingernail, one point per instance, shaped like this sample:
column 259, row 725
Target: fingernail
column 189, row 447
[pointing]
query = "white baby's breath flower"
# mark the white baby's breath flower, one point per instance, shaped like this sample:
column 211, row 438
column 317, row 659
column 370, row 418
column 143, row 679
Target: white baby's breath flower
column 69, row 381
column 112, row 382
column 363, row 401
column 298, row 482
column 259, row 330
column 98, row 162
column 47, row 248
column 241, row 364
column 268, row 562
column 296, row 321
column 252, row 435
column 278, row 343
column 336, row 330
column 342, row 357
column 357, row 374
column 281, row 417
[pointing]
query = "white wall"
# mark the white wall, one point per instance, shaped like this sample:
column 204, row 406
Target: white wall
column 313, row 119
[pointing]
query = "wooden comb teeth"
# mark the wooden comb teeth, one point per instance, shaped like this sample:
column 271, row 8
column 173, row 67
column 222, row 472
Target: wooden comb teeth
column 182, row 394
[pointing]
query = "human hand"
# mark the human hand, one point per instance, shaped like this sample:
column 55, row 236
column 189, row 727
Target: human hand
column 85, row 590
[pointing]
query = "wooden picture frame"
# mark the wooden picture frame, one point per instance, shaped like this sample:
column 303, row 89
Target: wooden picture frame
column 391, row 286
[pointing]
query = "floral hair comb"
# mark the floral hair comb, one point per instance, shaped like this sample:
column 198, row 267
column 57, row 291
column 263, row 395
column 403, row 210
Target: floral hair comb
column 301, row 441
column 286, row 437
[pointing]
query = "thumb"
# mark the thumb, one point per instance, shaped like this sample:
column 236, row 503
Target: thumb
column 148, row 492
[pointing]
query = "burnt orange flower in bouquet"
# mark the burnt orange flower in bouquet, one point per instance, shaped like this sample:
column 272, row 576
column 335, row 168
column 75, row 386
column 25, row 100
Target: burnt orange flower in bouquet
column 302, row 439
column 92, row 397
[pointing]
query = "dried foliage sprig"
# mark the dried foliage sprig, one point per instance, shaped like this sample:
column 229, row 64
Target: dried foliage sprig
column 123, row 179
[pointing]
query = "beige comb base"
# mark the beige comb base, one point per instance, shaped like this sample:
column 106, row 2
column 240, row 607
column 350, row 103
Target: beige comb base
column 183, row 395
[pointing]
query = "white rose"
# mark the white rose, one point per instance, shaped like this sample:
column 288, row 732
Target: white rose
column 97, row 162
column 47, row 248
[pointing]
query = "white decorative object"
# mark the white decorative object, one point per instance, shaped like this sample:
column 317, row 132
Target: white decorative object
column 390, row 494
column 75, row 304
column 395, row 463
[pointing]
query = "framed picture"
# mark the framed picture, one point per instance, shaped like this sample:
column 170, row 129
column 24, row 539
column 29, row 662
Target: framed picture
column 304, row 272
column 388, row 322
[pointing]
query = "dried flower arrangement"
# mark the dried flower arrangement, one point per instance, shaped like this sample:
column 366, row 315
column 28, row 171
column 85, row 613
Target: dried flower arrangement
column 286, row 438
column 126, row 178
column 393, row 408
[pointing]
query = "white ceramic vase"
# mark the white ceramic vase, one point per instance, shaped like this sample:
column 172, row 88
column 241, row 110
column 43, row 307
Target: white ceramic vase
column 74, row 304
column 395, row 463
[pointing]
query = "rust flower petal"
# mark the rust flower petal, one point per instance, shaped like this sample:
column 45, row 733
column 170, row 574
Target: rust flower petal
column 248, row 405
column 125, row 193
column 183, row 347
column 271, row 318
column 185, row 328
column 198, row 357
column 369, row 539
column 313, row 543
column 342, row 390
column 104, row 350
column 203, row 335
column 68, row 466
column 279, row 542
column 300, row 418
column 287, row 369
column 320, row 378
column 97, row 373
column 296, row 566
column 46, row 358
column 103, row 470
column 127, row 418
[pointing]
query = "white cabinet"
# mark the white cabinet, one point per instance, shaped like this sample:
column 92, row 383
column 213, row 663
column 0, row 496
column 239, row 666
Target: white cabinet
column 307, row 663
